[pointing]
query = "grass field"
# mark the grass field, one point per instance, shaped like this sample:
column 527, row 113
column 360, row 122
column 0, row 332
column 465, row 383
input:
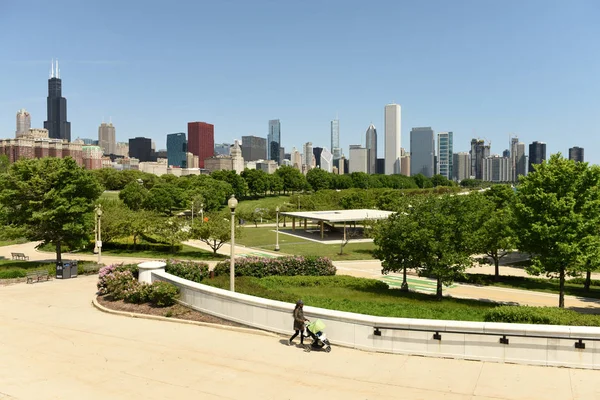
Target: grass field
column 112, row 195
column 187, row 253
column 13, row 241
column 265, row 237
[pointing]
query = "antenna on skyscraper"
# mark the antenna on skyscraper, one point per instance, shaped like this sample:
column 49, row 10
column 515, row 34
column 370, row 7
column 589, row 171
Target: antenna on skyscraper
column 52, row 68
column 57, row 70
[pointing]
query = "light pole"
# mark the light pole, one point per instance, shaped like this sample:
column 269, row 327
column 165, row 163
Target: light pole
column 201, row 212
column 277, row 230
column 99, row 232
column 232, row 204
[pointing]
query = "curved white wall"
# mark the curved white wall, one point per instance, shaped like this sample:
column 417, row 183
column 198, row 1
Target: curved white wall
column 356, row 330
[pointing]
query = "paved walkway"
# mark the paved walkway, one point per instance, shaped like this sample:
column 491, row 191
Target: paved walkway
column 55, row 345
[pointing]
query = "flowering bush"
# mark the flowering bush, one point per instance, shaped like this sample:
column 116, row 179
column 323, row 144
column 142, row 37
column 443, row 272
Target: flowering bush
column 163, row 294
column 138, row 293
column 260, row 267
column 104, row 273
column 189, row 270
column 120, row 284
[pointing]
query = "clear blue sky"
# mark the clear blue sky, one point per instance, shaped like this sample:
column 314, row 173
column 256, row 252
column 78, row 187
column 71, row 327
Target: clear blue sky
column 478, row 68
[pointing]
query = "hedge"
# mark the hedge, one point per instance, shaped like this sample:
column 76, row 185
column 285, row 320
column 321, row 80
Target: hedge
column 260, row 267
column 540, row 315
column 192, row 271
column 158, row 247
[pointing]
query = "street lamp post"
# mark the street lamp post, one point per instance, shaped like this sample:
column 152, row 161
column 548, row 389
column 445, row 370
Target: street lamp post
column 201, row 212
column 99, row 232
column 277, row 229
column 232, row 204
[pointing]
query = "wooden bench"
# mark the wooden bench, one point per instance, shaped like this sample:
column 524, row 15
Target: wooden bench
column 19, row 256
column 37, row 275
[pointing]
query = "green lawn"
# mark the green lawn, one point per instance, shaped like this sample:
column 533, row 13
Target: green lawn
column 13, row 241
column 112, row 195
column 373, row 297
column 187, row 253
column 264, row 238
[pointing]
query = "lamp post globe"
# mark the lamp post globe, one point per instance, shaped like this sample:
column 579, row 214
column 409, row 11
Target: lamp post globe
column 232, row 204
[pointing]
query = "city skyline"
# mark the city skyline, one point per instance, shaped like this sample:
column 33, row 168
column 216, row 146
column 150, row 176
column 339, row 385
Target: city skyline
column 500, row 82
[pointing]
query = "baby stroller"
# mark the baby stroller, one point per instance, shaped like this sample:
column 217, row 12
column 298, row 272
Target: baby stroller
column 315, row 330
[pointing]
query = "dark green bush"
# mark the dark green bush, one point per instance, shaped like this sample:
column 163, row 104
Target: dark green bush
column 163, row 294
column 260, row 267
column 158, row 247
column 581, row 281
column 540, row 315
column 13, row 273
column 192, row 271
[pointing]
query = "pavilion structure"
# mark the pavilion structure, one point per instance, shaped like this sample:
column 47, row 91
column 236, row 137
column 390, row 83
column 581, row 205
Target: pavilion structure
column 333, row 217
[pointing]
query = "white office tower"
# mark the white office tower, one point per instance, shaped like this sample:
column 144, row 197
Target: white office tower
column 358, row 159
column 392, row 130
column 308, row 158
column 497, row 169
column 326, row 160
column 461, row 166
column 23, row 123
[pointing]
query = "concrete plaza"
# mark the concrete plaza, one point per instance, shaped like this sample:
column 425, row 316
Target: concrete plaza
column 55, row 345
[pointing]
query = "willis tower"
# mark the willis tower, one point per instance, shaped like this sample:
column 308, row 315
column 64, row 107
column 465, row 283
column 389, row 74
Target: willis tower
column 57, row 124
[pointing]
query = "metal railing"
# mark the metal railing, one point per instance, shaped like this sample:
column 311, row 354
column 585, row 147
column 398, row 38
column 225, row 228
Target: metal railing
column 579, row 344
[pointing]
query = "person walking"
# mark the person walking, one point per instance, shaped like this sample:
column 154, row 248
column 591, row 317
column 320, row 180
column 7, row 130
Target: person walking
column 299, row 321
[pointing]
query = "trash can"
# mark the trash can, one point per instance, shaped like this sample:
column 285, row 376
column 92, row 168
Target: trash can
column 73, row 268
column 61, row 272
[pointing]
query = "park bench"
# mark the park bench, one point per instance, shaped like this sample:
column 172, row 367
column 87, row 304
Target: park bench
column 19, row 256
column 37, row 275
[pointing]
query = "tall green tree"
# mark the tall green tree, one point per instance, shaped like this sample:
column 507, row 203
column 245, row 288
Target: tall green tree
column 4, row 163
column 172, row 231
column 293, row 180
column 134, row 195
column 256, row 180
column 318, row 179
column 238, row 184
column 52, row 199
column 558, row 216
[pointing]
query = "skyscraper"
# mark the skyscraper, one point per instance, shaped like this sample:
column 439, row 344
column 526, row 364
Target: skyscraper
column 358, row 159
column 222, row 149
column 141, row 148
column 176, row 149
column 308, row 158
column 479, row 151
column 201, row 141
column 576, row 153
column 326, row 160
column 254, row 148
column 518, row 158
column 23, row 123
column 274, row 140
column 371, row 145
column 392, row 130
column 497, row 169
column 335, row 139
column 422, row 151
column 106, row 138
column 537, row 154
column 461, row 166
column 57, row 125
column 317, row 153
column 445, row 150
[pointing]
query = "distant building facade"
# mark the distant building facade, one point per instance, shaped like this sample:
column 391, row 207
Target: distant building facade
column 23, row 123
column 358, row 159
column 371, row 146
column 177, row 149
column 336, row 150
column 254, row 148
column 461, row 166
column 201, row 141
column 107, row 138
column 274, row 140
column 141, row 148
column 537, row 154
column 422, row 151
column 326, row 160
column 497, row 169
column 445, row 149
column 392, row 136
column 576, row 154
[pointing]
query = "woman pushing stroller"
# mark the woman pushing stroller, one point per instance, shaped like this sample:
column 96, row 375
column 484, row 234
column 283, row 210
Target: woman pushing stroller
column 299, row 322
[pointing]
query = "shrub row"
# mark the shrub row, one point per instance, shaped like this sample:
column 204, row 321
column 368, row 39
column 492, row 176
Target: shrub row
column 192, row 271
column 158, row 247
column 540, row 315
column 13, row 273
column 581, row 281
column 260, row 267
column 120, row 282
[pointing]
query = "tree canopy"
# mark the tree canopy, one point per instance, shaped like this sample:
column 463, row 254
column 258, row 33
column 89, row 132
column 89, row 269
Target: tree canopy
column 51, row 199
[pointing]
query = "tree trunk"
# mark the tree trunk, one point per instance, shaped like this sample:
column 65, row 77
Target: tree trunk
column 588, row 281
column 561, row 295
column 58, row 252
column 438, row 293
column 497, row 265
column 404, row 287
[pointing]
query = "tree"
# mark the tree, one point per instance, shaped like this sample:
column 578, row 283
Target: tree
column 496, row 237
column 275, row 183
column 422, row 181
column 114, row 220
column 435, row 237
column 318, row 179
column 238, row 184
column 161, row 198
column 293, row 179
column 4, row 163
column 440, row 180
column 141, row 222
column 52, row 199
column 257, row 181
column 172, row 231
column 215, row 232
column 557, row 217
column 133, row 195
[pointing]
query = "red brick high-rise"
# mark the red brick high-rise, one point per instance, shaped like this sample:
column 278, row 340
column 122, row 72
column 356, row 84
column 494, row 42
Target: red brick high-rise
column 201, row 140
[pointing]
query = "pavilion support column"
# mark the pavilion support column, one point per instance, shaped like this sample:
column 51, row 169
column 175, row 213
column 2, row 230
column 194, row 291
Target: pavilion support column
column 322, row 223
column 293, row 224
column 305, row 221
column 344, row 231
